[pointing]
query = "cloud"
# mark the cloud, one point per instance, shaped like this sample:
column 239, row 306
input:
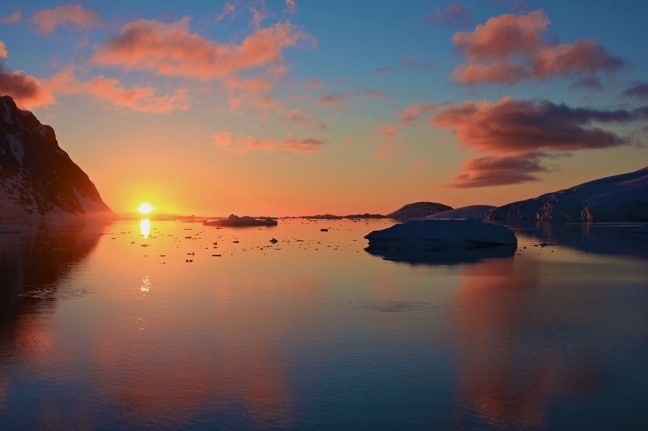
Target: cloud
column 519, row 133
column 638, row 90
column 510, row 48
column 171, row 49
column 389, row 141
column 47, row 20
column 225, row 141
column 453, row 15
column 413, row 112
column 498, row 170
column 26, row 90
column 140, row 99
column 406, row 63
column 291, row 6
column 229, row 9
column 388, row 130
column 11, row 19
column 307, row 145
column 297, row 117
column 339, row 100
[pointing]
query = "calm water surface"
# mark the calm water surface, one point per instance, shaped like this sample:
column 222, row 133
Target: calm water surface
column 170, row 325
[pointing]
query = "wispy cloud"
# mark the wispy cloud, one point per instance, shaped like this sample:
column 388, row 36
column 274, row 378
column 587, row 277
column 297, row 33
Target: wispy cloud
column 141, row 99
column 414, row 112
column 454, row 15
column 339, row 100
column 519, row 133
column 510, row 48
column 229, row 9
column 291, row 6
column 26, row 90
column 46, row 20
column 227, row 142
column 638, row 90
column 12, row 19
column 297, row 117
column 388, row 141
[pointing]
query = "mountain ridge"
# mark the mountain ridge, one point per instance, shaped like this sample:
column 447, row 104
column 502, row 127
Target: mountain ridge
column 38, row 179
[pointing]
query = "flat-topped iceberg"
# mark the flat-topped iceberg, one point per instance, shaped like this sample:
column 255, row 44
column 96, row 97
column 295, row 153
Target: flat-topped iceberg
column 442, row 241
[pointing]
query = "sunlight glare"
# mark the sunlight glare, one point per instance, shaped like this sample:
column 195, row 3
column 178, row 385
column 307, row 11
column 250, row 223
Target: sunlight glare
column 145, row 208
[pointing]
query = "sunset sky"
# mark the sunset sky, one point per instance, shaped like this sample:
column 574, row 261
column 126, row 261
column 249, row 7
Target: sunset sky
column 300, row 107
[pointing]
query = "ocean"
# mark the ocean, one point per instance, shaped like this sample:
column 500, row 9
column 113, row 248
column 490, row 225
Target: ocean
column 168, row 325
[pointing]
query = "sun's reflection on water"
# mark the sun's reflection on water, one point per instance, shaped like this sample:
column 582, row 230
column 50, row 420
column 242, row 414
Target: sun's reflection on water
column 145, row 227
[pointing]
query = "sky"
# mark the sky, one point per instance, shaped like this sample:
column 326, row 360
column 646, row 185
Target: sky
column 301, row 107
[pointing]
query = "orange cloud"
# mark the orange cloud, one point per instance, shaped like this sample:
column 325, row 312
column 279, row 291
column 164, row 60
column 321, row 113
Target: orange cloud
column 47, row 20
column 516, row 134
column 141, row 99
column 413, row 112
column 172, row 50
column 510, row 48
column 226, row 142
column 11, row 19
column 26, row 90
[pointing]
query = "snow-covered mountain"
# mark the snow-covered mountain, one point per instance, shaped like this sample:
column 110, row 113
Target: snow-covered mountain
column 37, row 178
column 617, row 198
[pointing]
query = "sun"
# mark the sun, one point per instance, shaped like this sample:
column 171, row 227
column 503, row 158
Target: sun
column 145, row 208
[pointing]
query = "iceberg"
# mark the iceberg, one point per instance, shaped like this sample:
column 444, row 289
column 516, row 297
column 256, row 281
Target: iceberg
column 442, row 241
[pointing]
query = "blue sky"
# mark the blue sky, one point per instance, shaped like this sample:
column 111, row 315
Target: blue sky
column 298, row 107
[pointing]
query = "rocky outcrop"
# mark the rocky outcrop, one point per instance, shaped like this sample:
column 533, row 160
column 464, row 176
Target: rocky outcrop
column 418, row 210
column 37, row 178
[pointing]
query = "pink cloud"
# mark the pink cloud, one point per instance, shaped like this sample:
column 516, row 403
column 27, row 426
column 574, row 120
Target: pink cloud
column 26, row 90
column 11, row 19
column 172, row 50
column 141, row 99
column 413, row 112
column 510, row 48
column 388, row 130
column 517, row 134
column 291, row 6
column 498, row 170
column 47, row 20
column 229, row 9
column 389, row 142
column 454, row 14
column 226, row 142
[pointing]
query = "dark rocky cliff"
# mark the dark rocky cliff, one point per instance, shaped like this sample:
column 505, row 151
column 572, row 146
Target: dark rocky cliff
column 37, row 178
